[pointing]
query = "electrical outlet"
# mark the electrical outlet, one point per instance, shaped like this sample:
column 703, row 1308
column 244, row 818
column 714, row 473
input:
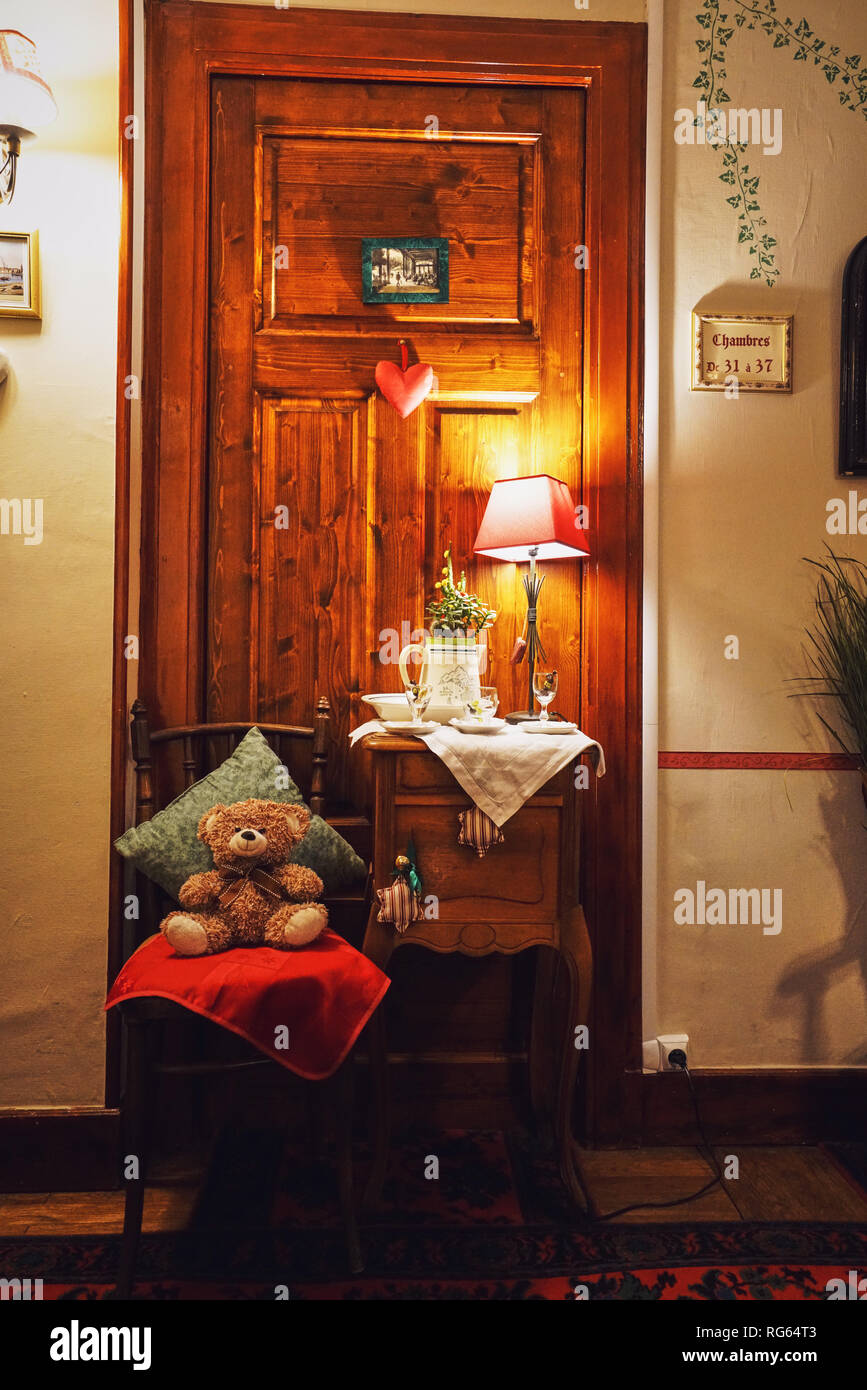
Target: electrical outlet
column 668, row 1043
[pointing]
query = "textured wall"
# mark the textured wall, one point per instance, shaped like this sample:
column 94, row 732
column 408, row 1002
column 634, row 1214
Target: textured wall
column 743, row 490
column 57, row 443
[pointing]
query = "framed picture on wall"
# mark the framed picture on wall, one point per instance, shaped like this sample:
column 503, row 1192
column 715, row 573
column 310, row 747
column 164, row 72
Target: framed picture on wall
column 19, row 275
column 405, row 270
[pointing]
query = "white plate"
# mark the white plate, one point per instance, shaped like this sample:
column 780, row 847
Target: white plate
column 550, row 726
column 472, row 726
column 406, row 726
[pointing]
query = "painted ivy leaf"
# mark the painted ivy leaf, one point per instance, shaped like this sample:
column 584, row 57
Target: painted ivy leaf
column 818, row 45
column 702, row 80
column 801, row 55
column 853, row 61
column 727, row 177
column 702, row 45
column 722, row 96
column 704, row 20
column 769, row 241
column 753, row 207
column 735, row 201
column 782, row 41
column 740, row 20
column 834, row 51
column 755, row 273
column 803, row 30
column 744, row 234
column 830, row 73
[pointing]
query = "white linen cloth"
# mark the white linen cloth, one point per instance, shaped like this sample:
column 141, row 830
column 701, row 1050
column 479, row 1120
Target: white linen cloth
column 500, row 771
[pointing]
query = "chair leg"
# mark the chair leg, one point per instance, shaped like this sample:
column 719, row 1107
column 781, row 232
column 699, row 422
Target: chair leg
column 343, row 1110
column 380, row 1108
column 136, row 1130
column 378, row 946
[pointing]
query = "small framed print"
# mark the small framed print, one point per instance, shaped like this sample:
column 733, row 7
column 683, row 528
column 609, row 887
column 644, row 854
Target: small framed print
column 19, row 275
column 754, row 352
column 405, row 270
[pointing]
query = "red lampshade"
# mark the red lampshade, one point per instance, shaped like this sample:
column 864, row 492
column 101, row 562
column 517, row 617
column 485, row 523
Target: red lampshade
column 530, row 512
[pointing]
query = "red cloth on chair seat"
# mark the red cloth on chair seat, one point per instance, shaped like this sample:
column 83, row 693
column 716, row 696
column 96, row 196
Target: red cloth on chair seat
column 323, row 993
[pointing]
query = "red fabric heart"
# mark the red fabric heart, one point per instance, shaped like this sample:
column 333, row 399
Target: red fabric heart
column 404, row 390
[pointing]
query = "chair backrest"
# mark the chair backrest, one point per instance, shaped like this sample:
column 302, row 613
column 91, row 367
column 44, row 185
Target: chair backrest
column 169, row 760
column 188, row 752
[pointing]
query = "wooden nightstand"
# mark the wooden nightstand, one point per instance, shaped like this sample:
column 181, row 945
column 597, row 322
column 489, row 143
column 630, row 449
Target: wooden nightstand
column 523, row 893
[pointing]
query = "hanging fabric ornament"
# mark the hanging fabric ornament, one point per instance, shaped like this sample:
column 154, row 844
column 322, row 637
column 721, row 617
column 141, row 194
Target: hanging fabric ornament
column 404, row 387
column 400, row 903
column 478, row 831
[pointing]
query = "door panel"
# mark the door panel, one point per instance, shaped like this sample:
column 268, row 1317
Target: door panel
column 328, row 514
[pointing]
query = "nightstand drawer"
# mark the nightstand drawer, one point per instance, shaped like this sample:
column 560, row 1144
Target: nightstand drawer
column 515, row 881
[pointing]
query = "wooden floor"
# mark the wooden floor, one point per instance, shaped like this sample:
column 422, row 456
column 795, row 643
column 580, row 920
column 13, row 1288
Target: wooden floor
column 774, row 1184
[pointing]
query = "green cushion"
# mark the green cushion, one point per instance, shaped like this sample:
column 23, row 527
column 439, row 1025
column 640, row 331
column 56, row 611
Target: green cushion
column 168, row 850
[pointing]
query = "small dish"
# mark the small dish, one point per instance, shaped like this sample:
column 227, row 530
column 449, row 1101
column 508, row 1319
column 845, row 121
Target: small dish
column 406, row 726
column 549, row 726
column 472, row 726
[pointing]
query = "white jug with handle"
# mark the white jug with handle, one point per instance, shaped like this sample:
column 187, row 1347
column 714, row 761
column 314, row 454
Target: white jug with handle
column 451, row 665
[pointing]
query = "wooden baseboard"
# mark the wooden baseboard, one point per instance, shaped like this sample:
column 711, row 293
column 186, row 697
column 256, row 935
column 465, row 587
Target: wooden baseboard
column 784, row 1106
column 63, row 1150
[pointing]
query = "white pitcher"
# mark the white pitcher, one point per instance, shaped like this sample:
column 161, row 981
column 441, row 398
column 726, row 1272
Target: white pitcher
column 451, row 665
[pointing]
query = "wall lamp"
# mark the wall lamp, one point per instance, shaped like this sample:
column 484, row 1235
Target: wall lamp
column 26, row 102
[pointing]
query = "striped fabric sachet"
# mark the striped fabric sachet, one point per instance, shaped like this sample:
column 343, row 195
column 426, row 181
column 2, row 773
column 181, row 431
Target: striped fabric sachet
column 399, row 905
column 479, row 831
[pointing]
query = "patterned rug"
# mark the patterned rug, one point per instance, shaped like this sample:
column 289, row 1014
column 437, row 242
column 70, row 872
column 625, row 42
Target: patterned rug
column 466, row 1216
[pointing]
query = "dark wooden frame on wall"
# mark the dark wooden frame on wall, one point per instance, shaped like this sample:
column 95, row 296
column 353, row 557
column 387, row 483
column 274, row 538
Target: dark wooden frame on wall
column 853, row 366
column 187, row 44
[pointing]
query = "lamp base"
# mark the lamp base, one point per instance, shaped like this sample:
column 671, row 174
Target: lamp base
column 521, row 716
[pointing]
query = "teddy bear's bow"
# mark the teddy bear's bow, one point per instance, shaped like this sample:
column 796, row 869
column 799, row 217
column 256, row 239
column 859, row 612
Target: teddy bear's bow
column 263, row 880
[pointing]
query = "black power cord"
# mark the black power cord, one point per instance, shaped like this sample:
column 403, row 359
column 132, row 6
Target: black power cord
column 677, row 1058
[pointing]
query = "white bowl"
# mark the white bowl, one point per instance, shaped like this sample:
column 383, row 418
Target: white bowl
column 391, row 706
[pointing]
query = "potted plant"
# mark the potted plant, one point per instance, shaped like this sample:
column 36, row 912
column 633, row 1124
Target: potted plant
column 457, row 613
column 838, row 649
column 452, row 659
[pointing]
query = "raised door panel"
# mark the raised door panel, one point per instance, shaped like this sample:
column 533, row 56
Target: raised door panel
column 322, row 196
column 309, row 569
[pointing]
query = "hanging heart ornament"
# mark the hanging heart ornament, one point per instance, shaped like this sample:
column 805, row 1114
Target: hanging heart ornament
column 404, row 387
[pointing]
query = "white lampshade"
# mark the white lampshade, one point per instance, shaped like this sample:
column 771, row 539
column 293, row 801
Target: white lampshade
column 26, row 100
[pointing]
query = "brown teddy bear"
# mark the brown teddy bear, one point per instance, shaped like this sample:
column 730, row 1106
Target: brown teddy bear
column 253, row 896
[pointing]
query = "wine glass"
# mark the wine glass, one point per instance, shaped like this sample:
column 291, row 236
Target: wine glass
column 544, row 688
column 485, row 707
column 418, row 698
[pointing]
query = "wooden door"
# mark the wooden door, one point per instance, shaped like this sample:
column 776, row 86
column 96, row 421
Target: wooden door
column 327, row 513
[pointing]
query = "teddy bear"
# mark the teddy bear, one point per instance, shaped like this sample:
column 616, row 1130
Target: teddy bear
column 253, row 896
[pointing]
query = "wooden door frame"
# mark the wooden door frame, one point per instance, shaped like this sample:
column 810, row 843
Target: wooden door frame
column 188, row 43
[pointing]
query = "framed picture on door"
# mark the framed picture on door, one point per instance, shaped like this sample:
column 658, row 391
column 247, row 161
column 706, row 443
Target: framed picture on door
column 405, row 270
column 19, row 276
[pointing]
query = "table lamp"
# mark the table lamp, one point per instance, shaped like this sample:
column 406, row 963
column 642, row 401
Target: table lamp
column 530, row 519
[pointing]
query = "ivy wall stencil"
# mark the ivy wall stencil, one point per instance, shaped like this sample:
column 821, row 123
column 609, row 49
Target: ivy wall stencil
column 844, row 74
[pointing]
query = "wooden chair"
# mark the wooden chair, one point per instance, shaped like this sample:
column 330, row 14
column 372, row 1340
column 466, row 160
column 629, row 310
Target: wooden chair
column 189, row 752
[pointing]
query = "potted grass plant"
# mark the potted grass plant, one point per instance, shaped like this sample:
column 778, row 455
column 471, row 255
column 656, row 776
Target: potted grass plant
column 838, row 650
